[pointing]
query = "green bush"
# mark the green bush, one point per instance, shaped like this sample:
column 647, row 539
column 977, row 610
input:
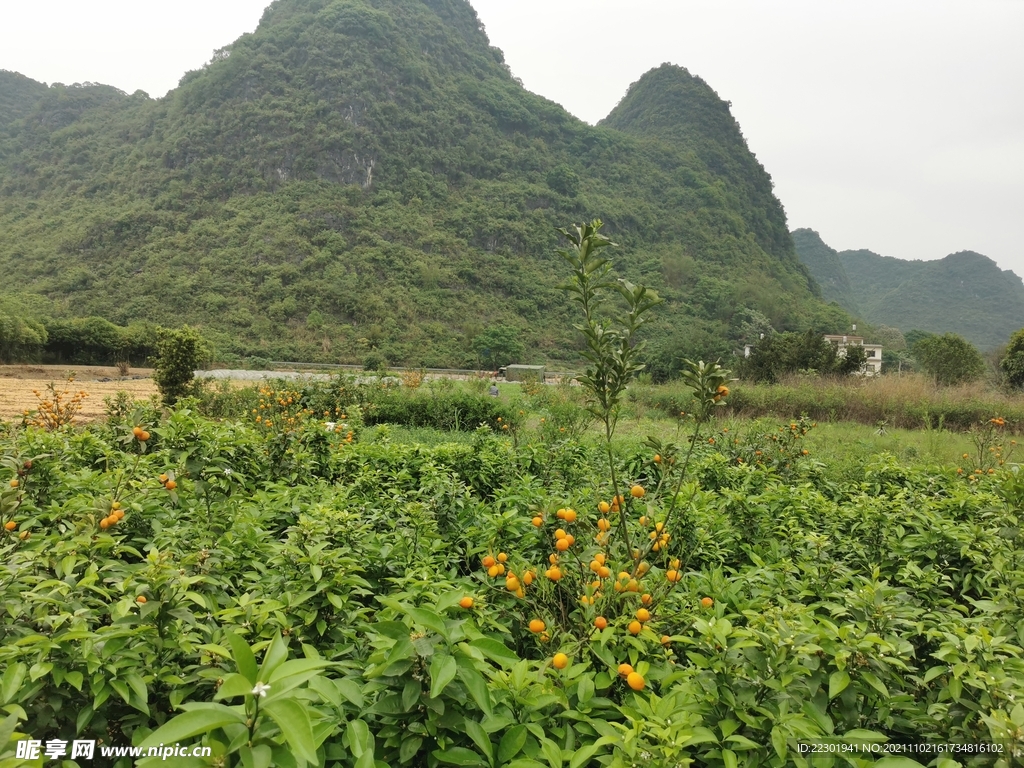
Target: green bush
column 179, row 353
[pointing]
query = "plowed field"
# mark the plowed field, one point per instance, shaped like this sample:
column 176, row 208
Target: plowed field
column 17, row 383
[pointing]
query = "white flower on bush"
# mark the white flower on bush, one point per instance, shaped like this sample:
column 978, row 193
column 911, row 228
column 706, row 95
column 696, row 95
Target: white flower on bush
column 260, row 689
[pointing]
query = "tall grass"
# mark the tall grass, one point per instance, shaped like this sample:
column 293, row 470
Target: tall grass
column 910, row 401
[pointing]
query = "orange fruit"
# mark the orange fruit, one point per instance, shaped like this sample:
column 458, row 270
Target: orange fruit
column 466, row 602
column 553, row 558
column 140, row 599
column 560, row 514
column 666, row 640
column 604, row 571
column 635, row 681
column 673, row 575
column 104, row 523
column 634, row 627
column 493, row 571
column 599, row 558
column 600, row 622
column 511, row 583
column 570, row 538
column 537, row 626
column 637, row 492
column 625, row 669
column 163, row 478
column 115, row 505
column 562, row 544
column 554, row 573
column 144, row 436
column 603, row 524
column 657, row 458
column 137, row 431
column 603, row 507
column 643, row 615
column 560, row 534
column 10, row 525
column 502, row 557
column 706, row 602
column 528, row 578
column 560, row 661
column 569, row 516
column 537, row 522
column 646, row 599
column 24, row 535
column 488, row 561
column 170, row 485
column 14, row 482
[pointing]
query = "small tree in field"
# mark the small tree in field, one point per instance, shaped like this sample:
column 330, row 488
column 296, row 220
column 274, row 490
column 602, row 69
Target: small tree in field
column 178, row 354
column 950, row 358
column 498, row 345
column 1012, row 363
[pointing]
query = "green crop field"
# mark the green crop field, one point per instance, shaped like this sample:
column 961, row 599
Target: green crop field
column 357, row 573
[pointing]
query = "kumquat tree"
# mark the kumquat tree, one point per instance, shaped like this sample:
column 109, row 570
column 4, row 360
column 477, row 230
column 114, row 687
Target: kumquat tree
column 371, row 572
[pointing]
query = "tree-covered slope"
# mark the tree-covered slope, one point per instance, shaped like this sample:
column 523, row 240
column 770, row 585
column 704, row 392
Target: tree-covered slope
column 964, row 293
column 824, row 265
column 361, row 174
column 18, row 95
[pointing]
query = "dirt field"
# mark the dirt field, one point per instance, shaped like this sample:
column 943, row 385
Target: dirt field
column 18, row 381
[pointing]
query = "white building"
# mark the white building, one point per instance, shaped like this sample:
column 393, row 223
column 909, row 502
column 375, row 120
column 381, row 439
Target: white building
column 873, row 352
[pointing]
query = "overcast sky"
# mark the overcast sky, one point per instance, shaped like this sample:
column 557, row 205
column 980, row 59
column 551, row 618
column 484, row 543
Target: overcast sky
column 896, row 126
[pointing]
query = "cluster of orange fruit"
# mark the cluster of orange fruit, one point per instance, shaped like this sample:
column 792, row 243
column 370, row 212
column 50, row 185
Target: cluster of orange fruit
column 167, row 481
column 115, row 516
column 721, row 392
column 496, row 567
column 57, row 409
column 140, row 434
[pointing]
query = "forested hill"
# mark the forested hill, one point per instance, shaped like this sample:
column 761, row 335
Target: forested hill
column 368, row 174
column 966, row 293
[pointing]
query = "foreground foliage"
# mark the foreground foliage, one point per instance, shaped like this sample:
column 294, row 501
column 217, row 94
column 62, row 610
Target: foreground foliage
column 294, row 595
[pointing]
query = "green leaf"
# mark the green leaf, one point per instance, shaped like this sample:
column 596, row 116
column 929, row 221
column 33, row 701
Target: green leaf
column 429, row 619
column 729, row 758
column 779, row 742
column 837, row 683
column 442, row 672
column 273, row 657
column 511, row 743
column 410, row 748
column 552, row 753
column 495, row 651
column 11, row 683
column 351, row 691
column 292, row 719
column 7, row 726
column 192, row 723
column 585, row 689
column 875, row 683
column 234, row 685
column 243, row 657
column 296, row 667
column 479, row 736
column 897, row 762
column 458, row 756
column 360, row 739
column 475, row 684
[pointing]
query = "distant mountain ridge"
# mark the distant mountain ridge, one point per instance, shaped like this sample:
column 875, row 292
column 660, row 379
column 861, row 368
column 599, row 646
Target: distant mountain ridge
column 362, row 175
column 965, row 293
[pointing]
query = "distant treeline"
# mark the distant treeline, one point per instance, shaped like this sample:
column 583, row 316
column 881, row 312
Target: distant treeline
column 79, row 341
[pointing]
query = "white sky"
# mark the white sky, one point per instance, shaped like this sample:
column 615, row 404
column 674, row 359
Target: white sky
column 886, row 124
